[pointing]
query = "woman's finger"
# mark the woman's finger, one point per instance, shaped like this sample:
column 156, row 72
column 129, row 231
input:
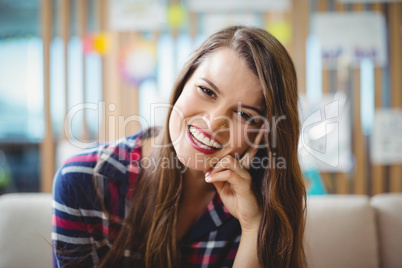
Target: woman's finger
column 229, row 163
column 229, row 182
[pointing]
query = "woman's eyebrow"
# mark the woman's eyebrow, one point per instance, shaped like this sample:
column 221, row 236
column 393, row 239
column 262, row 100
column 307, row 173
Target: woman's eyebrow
column 253, row 108
column 259, row 111
column 212, row 85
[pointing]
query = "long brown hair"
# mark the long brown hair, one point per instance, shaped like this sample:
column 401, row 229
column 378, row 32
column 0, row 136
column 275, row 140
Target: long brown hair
column 149, row 229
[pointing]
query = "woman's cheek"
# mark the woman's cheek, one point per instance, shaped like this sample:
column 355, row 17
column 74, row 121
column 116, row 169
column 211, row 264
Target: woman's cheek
column 238, row 140
column 186, row 104
column 251, row 134
column 176, row 123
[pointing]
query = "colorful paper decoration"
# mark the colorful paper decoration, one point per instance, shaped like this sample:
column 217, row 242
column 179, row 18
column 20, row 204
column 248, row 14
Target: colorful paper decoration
column 137, row 61
column 350, row 37
column 101, row 43
column 386, row 141
column 88, row 44
column 282, row 30
column 176, row 15
column 98, row 43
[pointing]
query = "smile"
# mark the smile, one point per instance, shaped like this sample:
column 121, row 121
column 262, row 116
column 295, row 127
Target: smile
column 203, row 140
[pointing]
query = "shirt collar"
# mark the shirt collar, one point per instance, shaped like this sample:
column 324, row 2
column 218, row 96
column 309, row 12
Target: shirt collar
column 115, row 158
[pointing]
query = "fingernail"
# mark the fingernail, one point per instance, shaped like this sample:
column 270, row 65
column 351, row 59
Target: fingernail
column 207, row 174
column 208, row 178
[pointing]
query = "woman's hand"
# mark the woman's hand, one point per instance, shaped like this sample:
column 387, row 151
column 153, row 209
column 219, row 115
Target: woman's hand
column 234, row 185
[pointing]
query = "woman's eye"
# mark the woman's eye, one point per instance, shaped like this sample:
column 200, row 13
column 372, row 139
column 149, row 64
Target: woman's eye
column 208, row 92
column 246, row 117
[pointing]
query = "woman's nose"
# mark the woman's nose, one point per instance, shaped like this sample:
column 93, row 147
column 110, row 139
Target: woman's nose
column 218, row 122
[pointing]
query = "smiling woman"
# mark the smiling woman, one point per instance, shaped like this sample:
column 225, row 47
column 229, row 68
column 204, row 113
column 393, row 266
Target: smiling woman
column 198, row 192
column 216, row 104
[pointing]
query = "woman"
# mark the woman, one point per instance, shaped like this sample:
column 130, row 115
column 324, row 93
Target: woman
column 218, row 186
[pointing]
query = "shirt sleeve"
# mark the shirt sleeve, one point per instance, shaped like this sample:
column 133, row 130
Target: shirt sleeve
column 72, row 242
column 82, row 233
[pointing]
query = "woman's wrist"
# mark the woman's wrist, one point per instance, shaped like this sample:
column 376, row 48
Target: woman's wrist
column 251, row 226
column 247, row 255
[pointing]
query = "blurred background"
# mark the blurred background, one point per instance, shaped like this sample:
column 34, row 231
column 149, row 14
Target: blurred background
column 74, row 73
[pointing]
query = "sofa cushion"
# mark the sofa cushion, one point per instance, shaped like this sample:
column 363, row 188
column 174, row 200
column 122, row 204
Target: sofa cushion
column 389, row 222
column 25, row 230
column 340, row 232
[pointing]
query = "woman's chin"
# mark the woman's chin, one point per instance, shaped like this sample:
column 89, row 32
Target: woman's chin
column 198, row 162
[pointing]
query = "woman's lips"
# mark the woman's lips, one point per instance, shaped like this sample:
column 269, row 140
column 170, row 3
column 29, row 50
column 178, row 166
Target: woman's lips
column 202, row 141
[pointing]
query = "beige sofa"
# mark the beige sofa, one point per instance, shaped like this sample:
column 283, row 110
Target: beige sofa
column 342, row 231
column 354, row 231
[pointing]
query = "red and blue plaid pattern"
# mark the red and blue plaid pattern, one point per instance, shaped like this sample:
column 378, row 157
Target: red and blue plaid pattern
column 82, row 234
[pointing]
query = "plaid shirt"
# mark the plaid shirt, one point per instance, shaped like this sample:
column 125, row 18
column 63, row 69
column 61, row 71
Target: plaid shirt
column 81, row 231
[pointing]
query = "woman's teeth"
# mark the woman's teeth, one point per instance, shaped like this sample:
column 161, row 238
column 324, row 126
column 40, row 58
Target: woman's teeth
column 201, row 140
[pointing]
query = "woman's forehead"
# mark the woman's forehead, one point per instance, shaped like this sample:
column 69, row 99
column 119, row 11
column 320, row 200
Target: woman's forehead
column 231, row 75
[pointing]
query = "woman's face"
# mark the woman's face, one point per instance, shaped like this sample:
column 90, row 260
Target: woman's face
column 218, row 111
